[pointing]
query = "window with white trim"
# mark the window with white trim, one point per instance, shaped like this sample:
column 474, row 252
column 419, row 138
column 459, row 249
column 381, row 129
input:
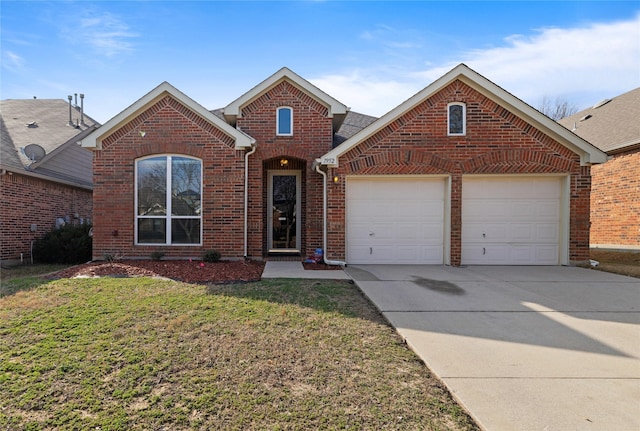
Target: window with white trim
column 456, row 119
column 168, row 200
column 284, row 121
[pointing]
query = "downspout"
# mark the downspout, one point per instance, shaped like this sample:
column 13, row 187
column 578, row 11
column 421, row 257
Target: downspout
column 254, row 148
column 324, row 219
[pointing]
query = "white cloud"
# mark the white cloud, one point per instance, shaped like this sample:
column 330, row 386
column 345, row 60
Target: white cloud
column 106, row 33
column 365, row 92
column 581, row 65
column 12, row 61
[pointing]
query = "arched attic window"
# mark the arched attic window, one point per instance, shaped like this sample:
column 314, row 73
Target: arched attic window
column 456, row 119
column 284, row 121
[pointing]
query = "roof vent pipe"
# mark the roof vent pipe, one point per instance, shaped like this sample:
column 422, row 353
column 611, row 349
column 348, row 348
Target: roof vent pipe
column 82, row 108
column 76, row 99
column 70, row 119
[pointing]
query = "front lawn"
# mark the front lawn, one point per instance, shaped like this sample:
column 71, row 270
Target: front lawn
column 146, row 354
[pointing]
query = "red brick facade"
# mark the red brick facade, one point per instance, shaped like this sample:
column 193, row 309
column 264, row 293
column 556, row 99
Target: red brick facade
column 496, row 142
column 312, row 137
column 27, row 201
column 168, row 128
column 615, row 202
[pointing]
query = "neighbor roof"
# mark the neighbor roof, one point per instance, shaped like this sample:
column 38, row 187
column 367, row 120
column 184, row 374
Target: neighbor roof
column 613, row 125
column 588, row 153
column 45, row 125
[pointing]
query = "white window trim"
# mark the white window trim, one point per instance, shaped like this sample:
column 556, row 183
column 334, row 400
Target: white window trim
column 168, row 217
column 464, row 118
column 278, row 121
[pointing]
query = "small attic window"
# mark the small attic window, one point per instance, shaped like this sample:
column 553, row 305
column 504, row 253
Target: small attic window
column 284, row 121
column 456, row 119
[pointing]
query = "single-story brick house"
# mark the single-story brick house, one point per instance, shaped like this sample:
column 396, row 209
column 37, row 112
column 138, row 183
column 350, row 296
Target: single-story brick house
column 461, row 173
column 45, row 176
column 613, row 126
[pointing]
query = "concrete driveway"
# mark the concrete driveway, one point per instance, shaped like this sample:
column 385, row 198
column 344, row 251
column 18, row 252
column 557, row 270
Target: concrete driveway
column 522, row 348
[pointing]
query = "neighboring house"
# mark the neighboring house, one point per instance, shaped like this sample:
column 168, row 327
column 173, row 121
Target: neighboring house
column 45, row 175
column 613, row 125
column 461, row 173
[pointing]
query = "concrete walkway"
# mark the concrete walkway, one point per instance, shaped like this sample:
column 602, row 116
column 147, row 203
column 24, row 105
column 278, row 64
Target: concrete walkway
column 296, row 270
column 522, row 348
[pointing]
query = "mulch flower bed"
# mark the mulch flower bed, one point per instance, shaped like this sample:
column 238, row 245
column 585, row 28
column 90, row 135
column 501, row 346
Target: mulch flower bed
column 180, row 270
column 226, row 271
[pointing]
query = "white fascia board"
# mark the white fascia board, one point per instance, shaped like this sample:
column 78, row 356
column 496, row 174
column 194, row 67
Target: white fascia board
column 94, row 140
column 234, row 109
column 588, row 153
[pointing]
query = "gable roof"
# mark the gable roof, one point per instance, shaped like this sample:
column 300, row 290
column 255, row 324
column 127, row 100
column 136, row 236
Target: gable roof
column 55, row 128
column 337, row 110
column 94, row 140
column 588, row 153
column 613, row 125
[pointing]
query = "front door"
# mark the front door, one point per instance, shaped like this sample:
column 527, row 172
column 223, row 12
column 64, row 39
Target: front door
column 283, row 206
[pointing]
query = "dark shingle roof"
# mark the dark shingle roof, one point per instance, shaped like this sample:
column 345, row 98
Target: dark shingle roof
column 352, row 124
column 612, row 125
column 45, row 122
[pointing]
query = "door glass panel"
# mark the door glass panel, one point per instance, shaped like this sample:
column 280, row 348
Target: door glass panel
column 284, row 212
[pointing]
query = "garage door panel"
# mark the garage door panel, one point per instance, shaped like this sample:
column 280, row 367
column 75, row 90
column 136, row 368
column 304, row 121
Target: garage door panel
column 395, row 220
column 511, row 220
column 548, row 232
column 547, row 254
column 359, row 253
column 360, row 232
column 382, row 232
column 487, row 232
column 521, row 232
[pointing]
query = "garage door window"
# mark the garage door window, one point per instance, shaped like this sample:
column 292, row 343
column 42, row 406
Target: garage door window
column 456, row 119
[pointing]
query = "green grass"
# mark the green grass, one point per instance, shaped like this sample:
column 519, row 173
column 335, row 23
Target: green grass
column 143, row 354
column 24, row 277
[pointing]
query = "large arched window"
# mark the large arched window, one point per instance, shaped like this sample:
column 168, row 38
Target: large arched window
column 284, row 121
column 168, row 200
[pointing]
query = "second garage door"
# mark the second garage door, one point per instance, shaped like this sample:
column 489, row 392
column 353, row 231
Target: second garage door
column 511, row 220
column 395, row 220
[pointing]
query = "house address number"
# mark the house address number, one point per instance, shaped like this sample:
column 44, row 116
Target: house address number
column 328, row 161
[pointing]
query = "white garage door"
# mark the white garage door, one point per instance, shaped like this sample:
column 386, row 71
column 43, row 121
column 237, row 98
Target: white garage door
column 511, row 221
column 395, row 220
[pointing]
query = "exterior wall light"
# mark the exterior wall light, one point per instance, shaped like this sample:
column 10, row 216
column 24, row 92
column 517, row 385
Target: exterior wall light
column 336, row 179
column 284, row 163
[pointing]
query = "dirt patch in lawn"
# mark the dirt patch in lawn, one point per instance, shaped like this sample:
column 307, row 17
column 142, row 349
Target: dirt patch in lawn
column 180, row 270
column 625, row 263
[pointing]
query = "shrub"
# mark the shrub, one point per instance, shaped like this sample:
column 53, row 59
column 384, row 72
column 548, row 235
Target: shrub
column 157, row 255
column 67, row 244
column 211, row 256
